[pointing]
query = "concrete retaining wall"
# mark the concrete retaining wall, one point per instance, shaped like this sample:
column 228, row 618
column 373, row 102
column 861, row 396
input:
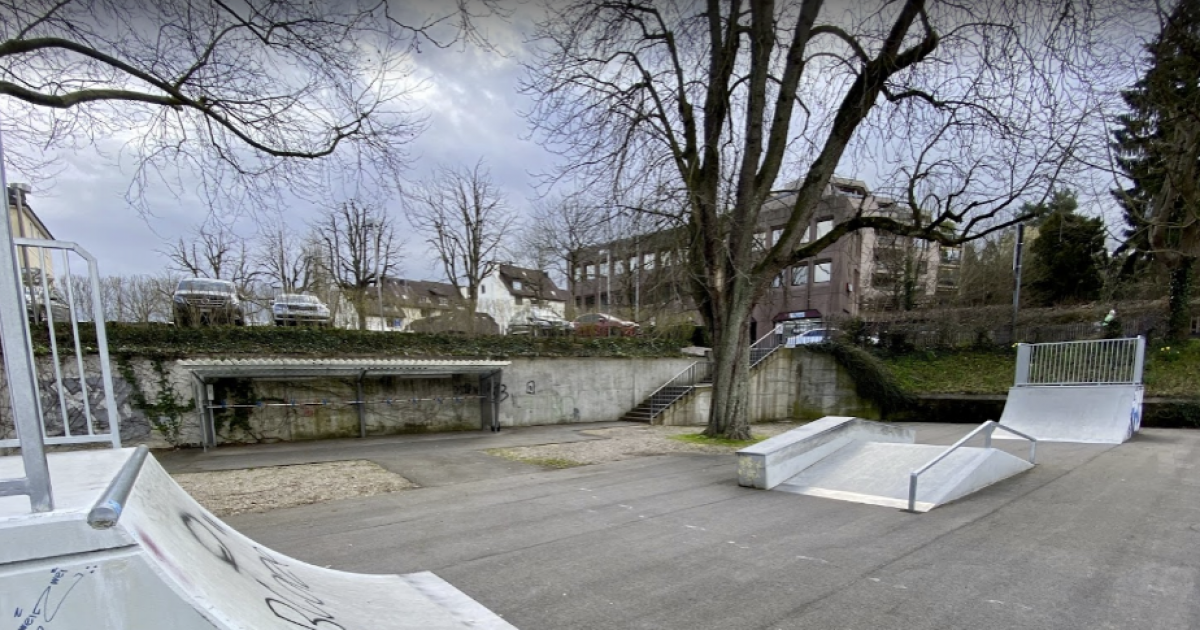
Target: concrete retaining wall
column 792, row 383
column 535, row 391
column 555, row 391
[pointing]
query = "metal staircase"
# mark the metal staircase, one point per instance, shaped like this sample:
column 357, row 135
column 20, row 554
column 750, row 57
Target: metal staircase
column 697, row 374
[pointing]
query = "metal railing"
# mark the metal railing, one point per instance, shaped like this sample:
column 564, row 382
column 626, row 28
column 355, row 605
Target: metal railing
column 695, row 374
column 28, row 299
column 1099, row 362
column 987, row 429
column 765, row 345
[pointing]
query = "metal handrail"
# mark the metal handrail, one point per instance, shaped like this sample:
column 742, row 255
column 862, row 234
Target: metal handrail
column 987, row 428
column 689, row 375
column 108, row 508
column 772, row 339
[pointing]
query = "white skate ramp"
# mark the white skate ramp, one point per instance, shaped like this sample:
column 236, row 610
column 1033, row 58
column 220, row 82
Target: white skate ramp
column 170, row 564
column 878, row 474
column 1093, row 414
column 863, row 461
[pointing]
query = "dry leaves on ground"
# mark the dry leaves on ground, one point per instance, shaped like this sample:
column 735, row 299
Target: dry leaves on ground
column 228, row 492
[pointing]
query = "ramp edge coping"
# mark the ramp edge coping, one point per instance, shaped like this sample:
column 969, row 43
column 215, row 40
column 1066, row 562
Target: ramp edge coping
column 107, row 510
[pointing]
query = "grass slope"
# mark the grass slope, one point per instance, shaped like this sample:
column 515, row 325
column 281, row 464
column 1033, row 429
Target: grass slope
column 1172, row 372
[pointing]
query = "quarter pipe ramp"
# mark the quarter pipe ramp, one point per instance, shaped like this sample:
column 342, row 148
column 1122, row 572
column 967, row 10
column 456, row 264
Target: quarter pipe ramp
column 170, row 564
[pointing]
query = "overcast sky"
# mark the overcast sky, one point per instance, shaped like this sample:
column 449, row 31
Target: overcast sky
column 471, row 101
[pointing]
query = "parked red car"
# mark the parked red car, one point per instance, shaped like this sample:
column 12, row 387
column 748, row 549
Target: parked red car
column 601, row 325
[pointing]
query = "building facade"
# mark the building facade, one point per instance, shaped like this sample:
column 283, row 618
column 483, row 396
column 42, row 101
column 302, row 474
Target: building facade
column 643, row 278
column 511, row 294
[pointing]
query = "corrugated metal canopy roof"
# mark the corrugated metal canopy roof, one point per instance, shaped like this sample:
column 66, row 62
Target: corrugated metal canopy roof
column 293, row 368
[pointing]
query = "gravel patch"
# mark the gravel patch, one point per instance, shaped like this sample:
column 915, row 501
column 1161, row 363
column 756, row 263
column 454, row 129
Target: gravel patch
column 228, row 492
column 619, row 443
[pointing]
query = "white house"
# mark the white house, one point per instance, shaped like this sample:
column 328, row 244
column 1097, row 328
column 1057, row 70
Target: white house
column 510, row 294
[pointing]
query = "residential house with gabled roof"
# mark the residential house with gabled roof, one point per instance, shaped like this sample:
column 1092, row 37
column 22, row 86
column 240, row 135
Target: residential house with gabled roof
column 512, row 293
column 406, row 301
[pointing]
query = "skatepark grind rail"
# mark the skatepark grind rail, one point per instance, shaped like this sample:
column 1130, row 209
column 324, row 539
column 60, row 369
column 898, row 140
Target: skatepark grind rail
column 987, row 428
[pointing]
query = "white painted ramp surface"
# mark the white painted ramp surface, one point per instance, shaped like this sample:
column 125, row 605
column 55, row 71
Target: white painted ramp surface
column 170, row 564
column 1092, row 414
column 878, row 474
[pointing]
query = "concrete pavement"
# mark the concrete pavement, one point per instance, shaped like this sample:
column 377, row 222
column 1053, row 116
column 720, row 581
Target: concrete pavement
column 1094, row 537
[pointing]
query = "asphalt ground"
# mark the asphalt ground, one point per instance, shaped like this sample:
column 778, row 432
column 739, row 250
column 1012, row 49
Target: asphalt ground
column 1093, row 537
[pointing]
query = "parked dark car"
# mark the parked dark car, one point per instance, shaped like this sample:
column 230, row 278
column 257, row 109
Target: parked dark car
column 456, row 324
column 292, row 309
column 541, row 324
column 206, row 302
column 603, row 325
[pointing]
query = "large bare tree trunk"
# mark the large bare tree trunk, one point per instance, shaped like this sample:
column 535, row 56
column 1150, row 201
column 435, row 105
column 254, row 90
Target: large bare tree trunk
column 731, row 378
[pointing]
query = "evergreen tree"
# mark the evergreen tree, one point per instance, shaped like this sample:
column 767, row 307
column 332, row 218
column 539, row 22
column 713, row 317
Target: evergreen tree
column 1068, row 254
column 1158, row 146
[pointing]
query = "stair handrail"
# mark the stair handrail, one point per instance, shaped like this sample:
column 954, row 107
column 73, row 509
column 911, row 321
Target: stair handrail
column 689, row 372
column 987, row 428
column 772, row 340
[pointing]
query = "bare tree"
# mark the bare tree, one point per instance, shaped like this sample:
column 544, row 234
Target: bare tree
column 214, row 251
column 240, row 95
column 286, row 259
column 466, row 220
column 557, row 229
column 359, row 249
column 961, row 107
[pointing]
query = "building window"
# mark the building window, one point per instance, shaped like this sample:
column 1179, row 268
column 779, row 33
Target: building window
column 823, row 271
column 760, row 241
column 824, row 226
column 777, row 281
column 603, row 299
column 648, row 260
column 800, row 275
column 423, row 300
column 776, row 236
column 443, row 302
column 806, row 234
column 589, row 271
column 578, row 301
column 590, row 301
column 517, row 283
column 633, row 263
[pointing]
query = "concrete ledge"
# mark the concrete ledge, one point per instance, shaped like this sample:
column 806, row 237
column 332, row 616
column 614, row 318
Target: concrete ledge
column 771, row 462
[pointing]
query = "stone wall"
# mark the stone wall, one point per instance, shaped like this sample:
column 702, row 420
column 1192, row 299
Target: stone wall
column 135, row 427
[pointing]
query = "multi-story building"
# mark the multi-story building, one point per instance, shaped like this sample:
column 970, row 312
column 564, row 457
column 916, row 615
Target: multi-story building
column 640, row 277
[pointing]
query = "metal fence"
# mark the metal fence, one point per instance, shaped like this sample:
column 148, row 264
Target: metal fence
column 1100, row 362
column 66, row 401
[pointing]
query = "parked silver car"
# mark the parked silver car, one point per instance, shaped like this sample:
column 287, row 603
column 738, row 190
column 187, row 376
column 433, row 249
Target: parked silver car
column 207, row 301
column 292, row 309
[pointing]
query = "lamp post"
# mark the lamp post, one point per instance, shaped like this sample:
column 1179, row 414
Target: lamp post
column 1016, row 306
column 373, row 228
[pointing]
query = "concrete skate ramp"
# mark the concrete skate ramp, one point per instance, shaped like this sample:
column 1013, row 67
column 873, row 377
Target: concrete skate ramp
column 1094, row 414
column 878, row 474
column 169, row 564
